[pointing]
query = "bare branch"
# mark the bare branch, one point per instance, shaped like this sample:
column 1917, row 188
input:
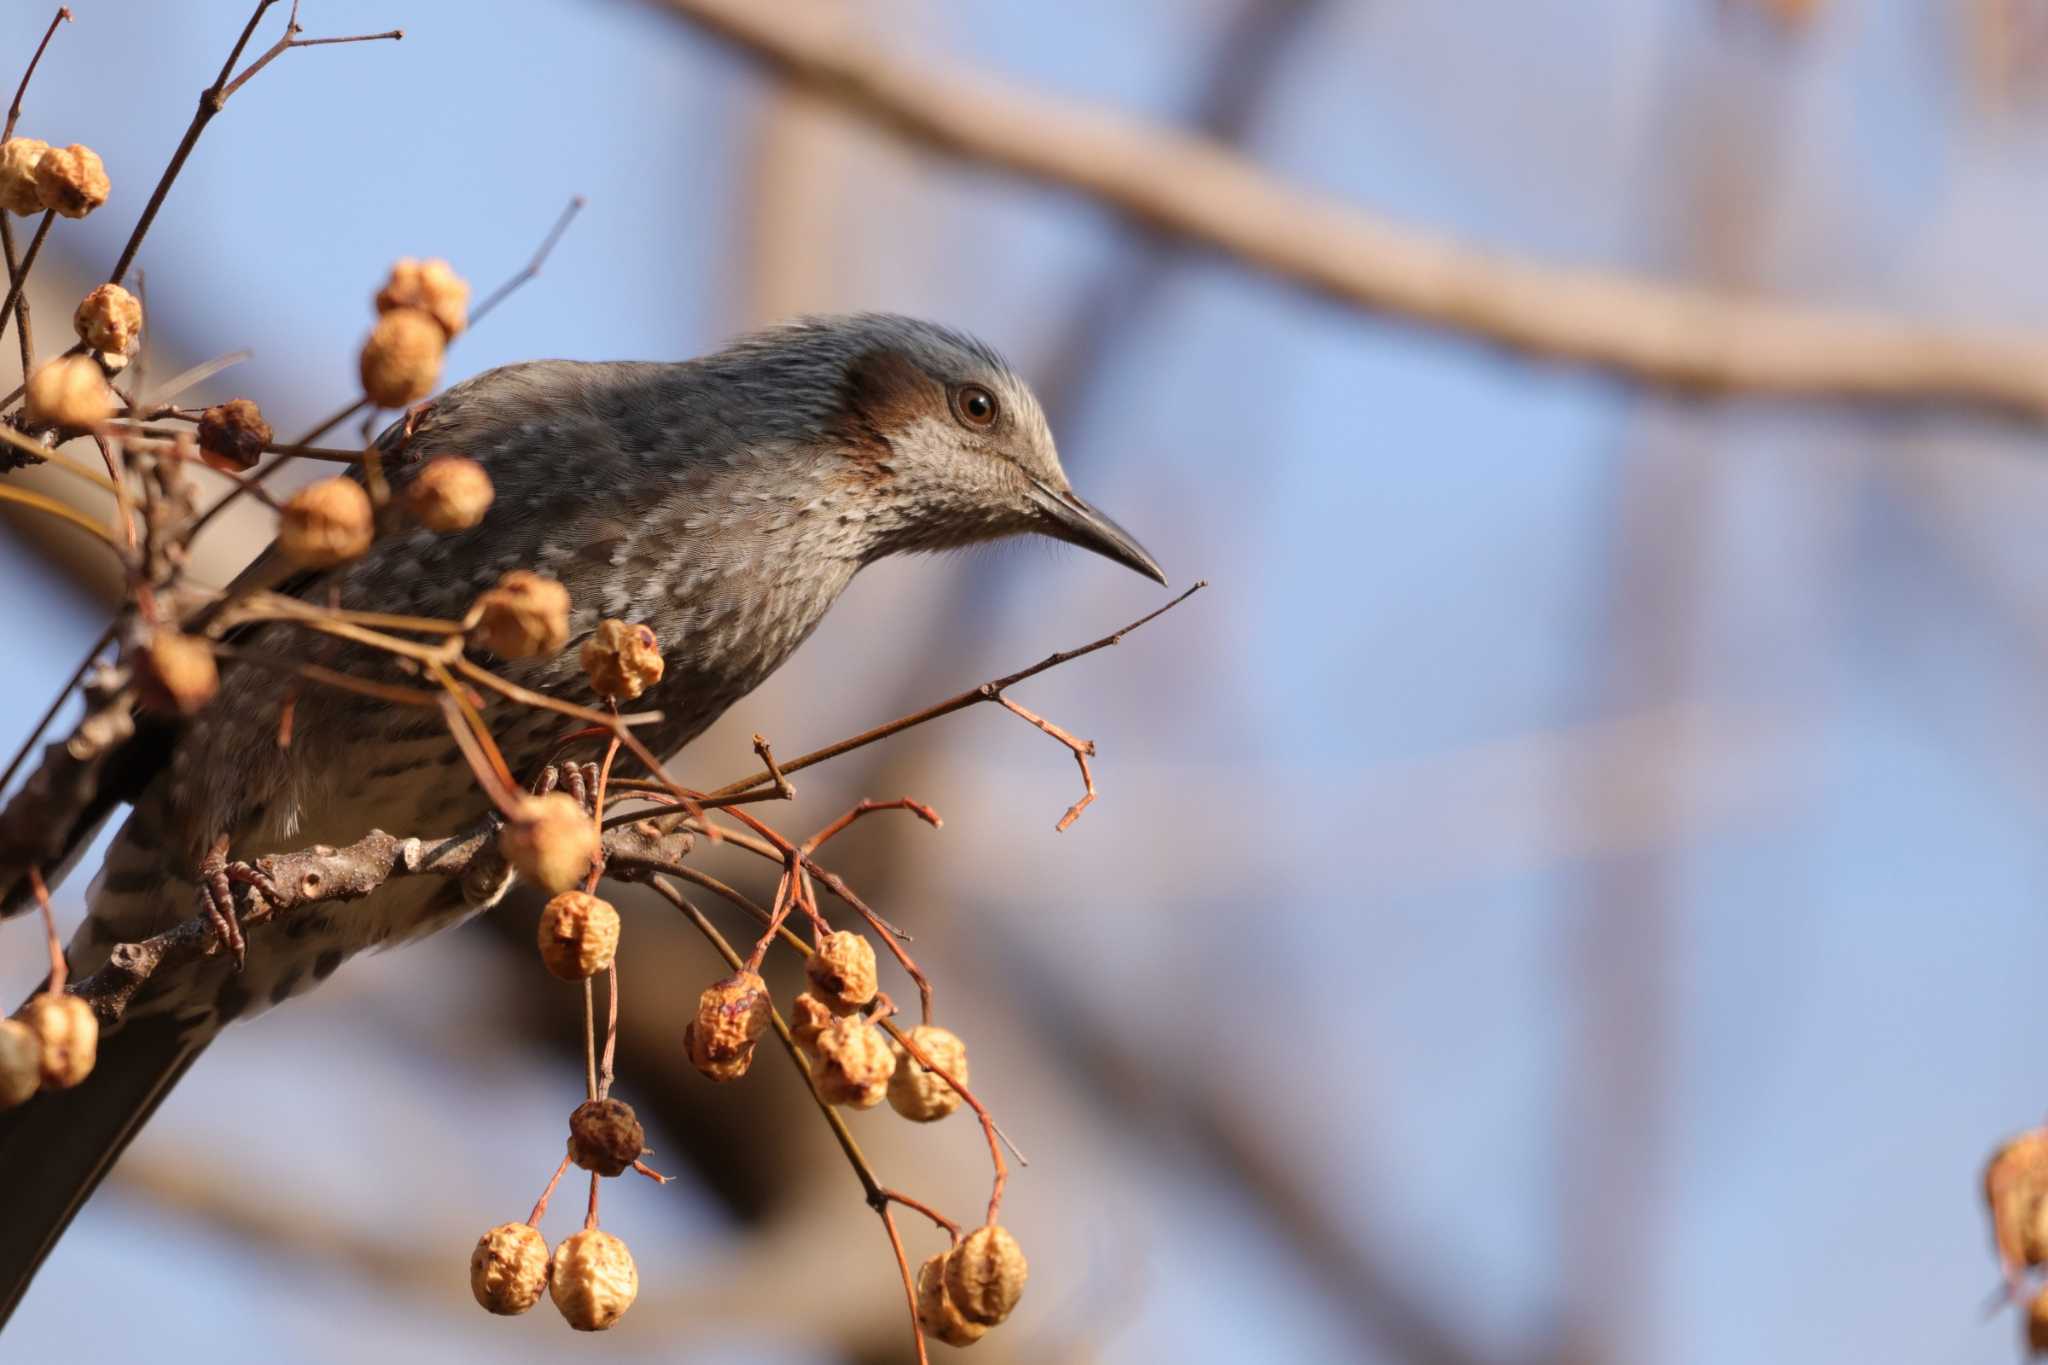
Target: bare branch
column 1660, row 334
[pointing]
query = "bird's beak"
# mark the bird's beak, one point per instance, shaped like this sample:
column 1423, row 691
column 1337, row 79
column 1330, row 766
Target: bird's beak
column 1075, row 522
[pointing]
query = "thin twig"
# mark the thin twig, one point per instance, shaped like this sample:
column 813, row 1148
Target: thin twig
column 62, row 16
column 988, row 691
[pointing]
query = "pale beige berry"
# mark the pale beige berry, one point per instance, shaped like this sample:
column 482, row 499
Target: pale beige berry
column 69, row 1035
column 842, row 971
column 622, row 660
column 232, row 435
column 985, row 1274
column 808, row 1018
column 524, row 617
column 450, row 493
column 854, row 1063
column 70, row 391
column 594, row 1280
column 605, row 1136
column 401, row 361
column 508, row 1271
column 21, row 1062
column 579, row 932
column 18, row 158
column 175, row 672
column 732, row 1014
column 109, row 319
column 936, row 1311
column 430, row 286
column 72, row 180
column 915, row 1090
column 326, row 523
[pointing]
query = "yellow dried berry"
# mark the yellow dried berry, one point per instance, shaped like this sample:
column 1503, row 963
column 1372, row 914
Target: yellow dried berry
column 401, row 361
column 430, row 286
column 450, row 493
column 508, row 1271
column 18, row 158
column 21, row 1062
column 915, row 1090
column 68, row 1033
column 985, row 1274
column 326, row 523
column 854, row 1063
column 70, row 391
column 72, row 180
column 842, row 971
column 109, row 319
column 524, row 617
column 937, row 1313
column 175, row 672
column 594, row 1280
column 808, row 1018
column 622, row 660
column 732, row 1014
column 232, row 435
column 579, row 932
column 605, row 1136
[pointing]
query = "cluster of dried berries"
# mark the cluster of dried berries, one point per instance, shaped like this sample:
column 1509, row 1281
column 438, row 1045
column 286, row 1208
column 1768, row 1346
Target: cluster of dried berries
column 51, row 1042
column 38, row 178
column 2016, row 1188
column 590, row 1276
column 420, row 308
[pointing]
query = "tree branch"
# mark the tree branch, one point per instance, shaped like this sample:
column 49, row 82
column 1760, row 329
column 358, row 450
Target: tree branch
column 1660, row 334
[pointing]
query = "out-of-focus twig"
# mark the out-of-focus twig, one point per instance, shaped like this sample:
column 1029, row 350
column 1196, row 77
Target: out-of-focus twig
column 1663, row 334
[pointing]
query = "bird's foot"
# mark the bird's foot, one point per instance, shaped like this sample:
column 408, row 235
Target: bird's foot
column 218, row 877
column 579, row 780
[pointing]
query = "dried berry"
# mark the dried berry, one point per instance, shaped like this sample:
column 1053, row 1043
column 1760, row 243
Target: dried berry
column 842, row 971
column 622, row 660
column 450, row 493
column 985, row 1274
column 594, row 1280
column 854, row 1063
column 2016, row 1188
column 401, row 360
column 915, row 1090
column 524, row 617
column 579, row 932
column 18, row 158
column 175, row 672
column 70, row 391
column 605, row 1136
column 732, row 1014
column 68, row 1033
column 808, row 1018
column 431, row 287
column 232, row 435
column 109, row 319
column 326, row 523
column 21, row 1062
column 508, row 1271
column 937, row 1313
column 72, row 180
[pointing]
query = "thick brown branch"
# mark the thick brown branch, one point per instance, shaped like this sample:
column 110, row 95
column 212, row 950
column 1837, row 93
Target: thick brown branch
column 1197, row 189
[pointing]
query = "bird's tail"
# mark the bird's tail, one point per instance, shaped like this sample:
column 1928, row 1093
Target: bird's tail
column 55, row 1149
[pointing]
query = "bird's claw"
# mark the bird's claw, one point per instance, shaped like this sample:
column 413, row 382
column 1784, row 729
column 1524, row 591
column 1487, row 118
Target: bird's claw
column 218, row 878
column 579, row 780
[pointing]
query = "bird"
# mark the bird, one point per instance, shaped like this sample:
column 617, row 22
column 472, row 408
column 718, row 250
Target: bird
column 725, row 502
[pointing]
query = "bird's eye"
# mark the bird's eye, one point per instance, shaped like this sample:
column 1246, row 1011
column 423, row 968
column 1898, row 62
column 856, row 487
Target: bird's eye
column 975, row 406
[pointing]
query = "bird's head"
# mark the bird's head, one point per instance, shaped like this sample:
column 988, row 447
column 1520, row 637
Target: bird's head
column 942, row 444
